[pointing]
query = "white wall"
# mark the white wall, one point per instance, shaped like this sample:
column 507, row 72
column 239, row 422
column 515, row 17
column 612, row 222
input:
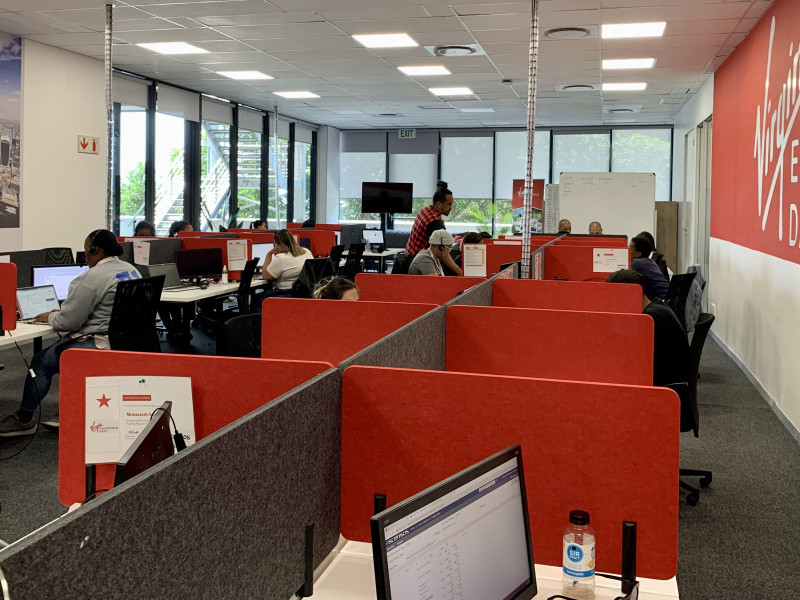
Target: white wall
column 328, row 174
column 697, row 110
column 63, row 192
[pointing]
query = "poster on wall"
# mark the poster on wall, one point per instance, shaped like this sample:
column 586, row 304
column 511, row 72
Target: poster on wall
column 10, row 111
column 518, row 204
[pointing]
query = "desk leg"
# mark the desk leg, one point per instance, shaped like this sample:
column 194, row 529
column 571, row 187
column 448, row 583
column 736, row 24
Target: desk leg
column 37, row 344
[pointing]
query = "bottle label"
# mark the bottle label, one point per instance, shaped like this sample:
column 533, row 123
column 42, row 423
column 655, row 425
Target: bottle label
column 578, row 560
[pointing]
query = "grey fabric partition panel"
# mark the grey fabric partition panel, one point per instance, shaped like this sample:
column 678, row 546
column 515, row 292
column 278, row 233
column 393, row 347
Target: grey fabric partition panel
column 417, row 345
column 127, row 252
column 225, row 518
column 477, row 295
column 163, row 251
column 25, row 259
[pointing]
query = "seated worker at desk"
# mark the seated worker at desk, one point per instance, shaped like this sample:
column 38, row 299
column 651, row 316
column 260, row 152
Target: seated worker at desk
column 336, row 288
column 258, row 224
column 670, row 345
column 144, row 229
column 564, row 226
column 84, row 317
column 595, row 228
column 430, row 261
column 282, row 266
column 179, row 226
column 469, row 238
column 655, row 284
column 177, row 317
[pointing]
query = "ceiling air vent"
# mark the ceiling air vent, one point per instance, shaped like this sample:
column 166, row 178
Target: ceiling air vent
column 680, row 91
column 578, row 87
column 568, row 33
column 671, row 101
column 451, row 51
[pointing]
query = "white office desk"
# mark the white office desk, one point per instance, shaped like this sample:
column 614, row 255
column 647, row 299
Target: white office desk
column 193, row 294
column 24, row 332
column 350, row 576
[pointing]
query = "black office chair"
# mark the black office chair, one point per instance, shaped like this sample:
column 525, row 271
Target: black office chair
column 240, row 336
column 336, row 255
column 352, row 266
column 314, row 270
column 58, row 256
column 133, row 318
column 677, row 294
column 690, row 414
column 402, row 262
column 211, row 313
column 658, row 258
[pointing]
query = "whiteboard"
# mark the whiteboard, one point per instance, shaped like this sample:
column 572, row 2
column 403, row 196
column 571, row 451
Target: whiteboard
column 623, row 203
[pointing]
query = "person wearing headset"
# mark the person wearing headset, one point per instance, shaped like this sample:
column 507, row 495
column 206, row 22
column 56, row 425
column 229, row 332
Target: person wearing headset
column 429, row 220
column 84, row 317
column 429, row 261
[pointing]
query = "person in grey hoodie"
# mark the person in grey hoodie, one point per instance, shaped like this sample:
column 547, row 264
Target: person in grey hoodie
column 84, row 317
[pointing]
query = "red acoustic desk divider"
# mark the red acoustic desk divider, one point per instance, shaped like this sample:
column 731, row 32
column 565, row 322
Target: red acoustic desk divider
column 329, row 330
column 192, row 243
column 568, row 295
column 412, row 288
column 223, row 390
column 559, row 344
column 321, row 242
column 609, row 449
column 499, row 254
column 575, row 263
column 594, row 241
column 8, row 295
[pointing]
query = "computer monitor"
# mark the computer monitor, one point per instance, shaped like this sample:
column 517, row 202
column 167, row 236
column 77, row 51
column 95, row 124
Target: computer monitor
column 373, row 236
column 59, row 276
column 200, row 262
column 381, row 197
column 80, row 257
column 466, row 537
column 351, row 234
column 34, row 301
column 304, row 243
column 150, row 447
column 260, row 252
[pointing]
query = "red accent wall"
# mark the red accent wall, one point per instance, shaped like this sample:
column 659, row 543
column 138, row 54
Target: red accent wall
column 745, row 134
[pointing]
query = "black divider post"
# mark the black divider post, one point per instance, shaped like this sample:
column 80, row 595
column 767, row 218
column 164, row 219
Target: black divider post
column 628, row 556
column 91, row 480
column 378, row 503
column 307, row 589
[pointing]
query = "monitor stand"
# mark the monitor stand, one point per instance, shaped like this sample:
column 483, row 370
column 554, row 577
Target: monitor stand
column 387, row 222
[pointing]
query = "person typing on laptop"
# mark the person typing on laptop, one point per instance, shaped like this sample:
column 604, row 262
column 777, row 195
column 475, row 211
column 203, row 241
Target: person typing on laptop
column 84, row 317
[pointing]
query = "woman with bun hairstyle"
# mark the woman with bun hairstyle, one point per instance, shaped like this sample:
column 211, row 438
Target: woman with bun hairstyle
column 336, row 288
column 428, row 220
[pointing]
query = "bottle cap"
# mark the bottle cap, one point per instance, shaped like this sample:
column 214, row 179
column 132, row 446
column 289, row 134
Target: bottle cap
column 579, row 517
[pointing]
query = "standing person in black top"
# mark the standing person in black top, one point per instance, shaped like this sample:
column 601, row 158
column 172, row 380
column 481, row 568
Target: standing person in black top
column 671, row 347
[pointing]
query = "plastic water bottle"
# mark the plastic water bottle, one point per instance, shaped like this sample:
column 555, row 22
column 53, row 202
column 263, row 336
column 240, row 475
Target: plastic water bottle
column 224, row 278
column 577, row 578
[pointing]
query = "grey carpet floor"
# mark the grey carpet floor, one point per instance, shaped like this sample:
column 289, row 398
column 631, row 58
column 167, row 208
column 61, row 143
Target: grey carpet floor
column 739, row 543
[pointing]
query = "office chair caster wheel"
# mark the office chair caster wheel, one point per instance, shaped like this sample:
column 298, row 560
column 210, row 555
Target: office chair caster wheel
column 705, row 481
column 693, row 498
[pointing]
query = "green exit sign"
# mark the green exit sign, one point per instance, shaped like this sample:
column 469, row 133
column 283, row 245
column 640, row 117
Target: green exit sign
column 406, row 134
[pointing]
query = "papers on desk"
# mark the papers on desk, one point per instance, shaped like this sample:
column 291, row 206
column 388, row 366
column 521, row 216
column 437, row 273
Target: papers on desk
column 5, row 258
column 141, row 253
column 237, row 254
column 119, row 408
column 474, row 260
column 608, row 260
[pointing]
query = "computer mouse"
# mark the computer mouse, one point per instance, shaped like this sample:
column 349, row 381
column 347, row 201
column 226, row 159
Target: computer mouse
column 204, row 285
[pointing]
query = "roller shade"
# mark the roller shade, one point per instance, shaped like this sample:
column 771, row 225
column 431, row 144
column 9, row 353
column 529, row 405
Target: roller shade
column 127, row 90
column 219, row 112
column 426, row 142
column 178, row 102
column 302, row 134
column 363, row 141
column 251, row 120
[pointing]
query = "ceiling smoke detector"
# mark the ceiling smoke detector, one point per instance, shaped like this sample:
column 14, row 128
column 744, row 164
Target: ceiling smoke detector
column 567, row 33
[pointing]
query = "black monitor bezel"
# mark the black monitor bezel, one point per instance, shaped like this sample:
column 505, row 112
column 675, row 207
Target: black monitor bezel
column 209, row 272
column 406, row 189
column 156, row 425
column 381, row 520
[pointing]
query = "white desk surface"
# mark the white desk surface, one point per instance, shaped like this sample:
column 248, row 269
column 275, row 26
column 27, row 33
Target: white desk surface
column 193, row 294
column 23, row 332
column 350, row 576
column 383, row 254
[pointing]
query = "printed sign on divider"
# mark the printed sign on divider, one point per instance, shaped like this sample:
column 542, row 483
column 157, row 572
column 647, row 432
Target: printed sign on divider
column 608, row 260
column 474, row 257
column 141, row 253
column 119, row 408
column 237, row 254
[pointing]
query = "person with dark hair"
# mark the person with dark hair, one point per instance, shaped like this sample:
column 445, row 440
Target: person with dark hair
column 670, row 344
column 308, row 224
column 657, row 256
column 564, row 226
column 428, row 220
column 179, row 226
column 336, row 288
column 144, row 229
column 655, row 283
column 258, row 224
column 84, row 317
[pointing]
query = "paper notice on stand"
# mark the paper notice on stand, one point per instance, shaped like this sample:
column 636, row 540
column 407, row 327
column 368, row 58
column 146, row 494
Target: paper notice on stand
column 141, row 253
column 237, row 254
column 119, row 408
column 608, row 260
column 474, row 257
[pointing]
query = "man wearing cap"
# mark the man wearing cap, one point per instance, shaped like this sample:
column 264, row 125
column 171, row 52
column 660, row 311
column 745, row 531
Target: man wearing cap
column 429, row 261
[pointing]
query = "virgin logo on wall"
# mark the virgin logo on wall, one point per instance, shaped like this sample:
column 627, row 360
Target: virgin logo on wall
column 755, row 182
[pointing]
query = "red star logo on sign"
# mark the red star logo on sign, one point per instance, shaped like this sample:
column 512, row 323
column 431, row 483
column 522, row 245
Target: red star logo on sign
column 104, row 401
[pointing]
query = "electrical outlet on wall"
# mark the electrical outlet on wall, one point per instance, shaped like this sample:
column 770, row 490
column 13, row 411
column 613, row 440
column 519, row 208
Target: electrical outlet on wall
column 713, row 309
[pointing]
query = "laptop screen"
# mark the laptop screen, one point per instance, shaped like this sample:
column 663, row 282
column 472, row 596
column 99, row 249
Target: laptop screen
column 59, row 276
column 260, row 252
column 34, row 301
column 373, row 236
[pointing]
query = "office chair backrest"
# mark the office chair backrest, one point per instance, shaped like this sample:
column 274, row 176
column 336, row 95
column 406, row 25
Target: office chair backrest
column 701, row 329
column 678, row 292
column 658, row 258
column 694, row 301
column 243, row 293
column 336, row 255
column 58, row 256
column 240, row 336
column 314, row 270
column 133, row 318
column 352, row 266
column 688, row 408
column 402, row 262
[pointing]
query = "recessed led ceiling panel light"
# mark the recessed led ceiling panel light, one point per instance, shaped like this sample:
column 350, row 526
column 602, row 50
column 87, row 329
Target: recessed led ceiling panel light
column 296, row 94
column 388, row 40
column 633, row 30
column 245, row 75
column 430, row 70
column 624, row 87
column 629, row 63
column 451, row 91
column 477, row 110
column 173, row 48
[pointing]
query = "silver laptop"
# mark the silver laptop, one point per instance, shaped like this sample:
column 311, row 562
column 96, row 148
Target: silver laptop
column 32, row 301
column 172, row 280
